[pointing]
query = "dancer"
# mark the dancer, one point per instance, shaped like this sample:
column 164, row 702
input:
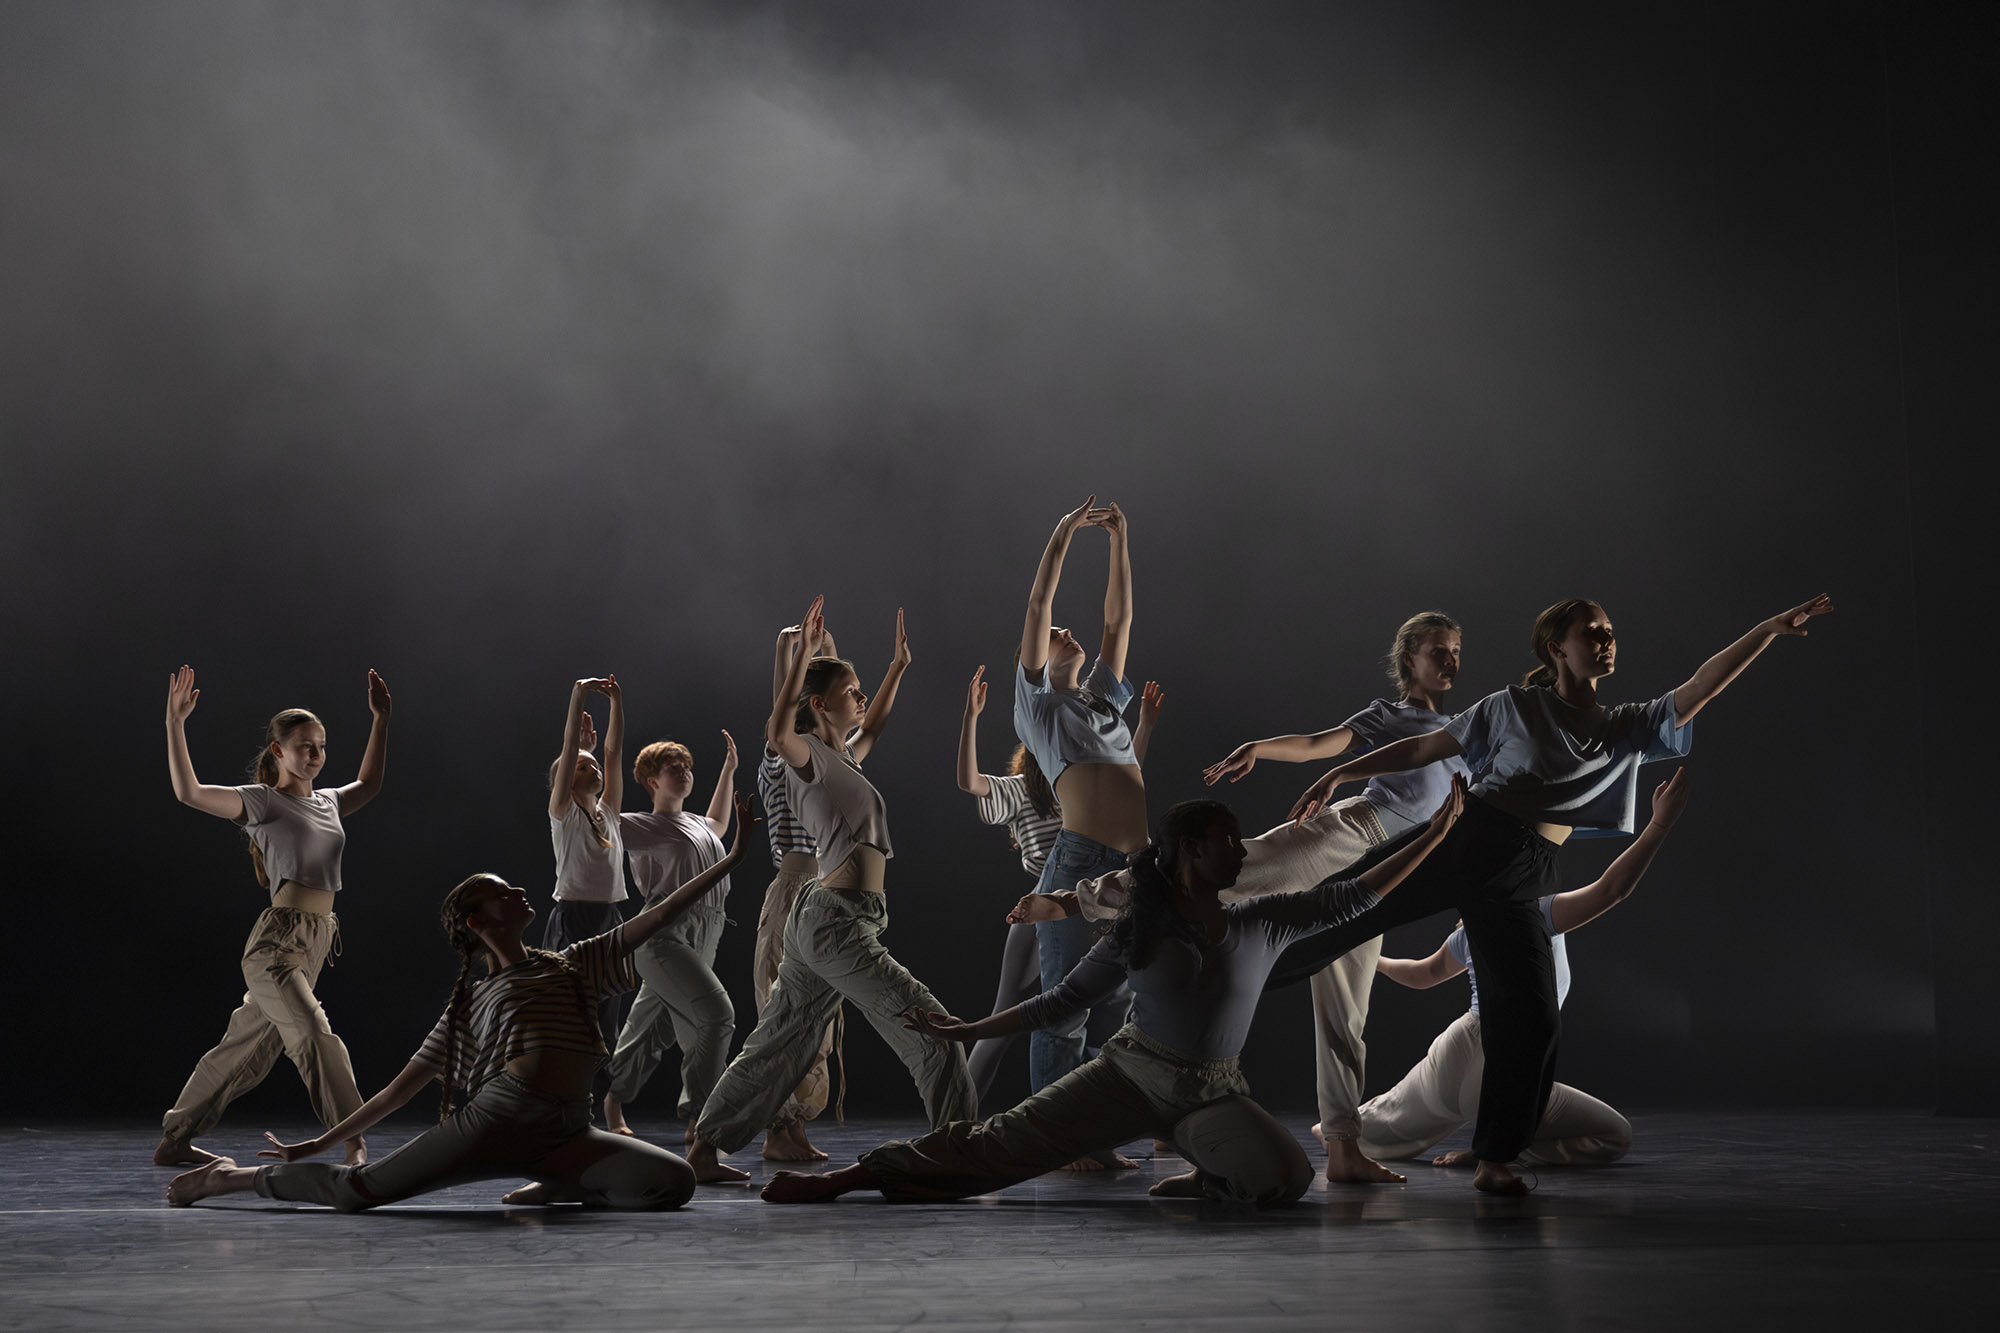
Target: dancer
column 1196, row 969
column 681, row 1000
column 296, row 837
column 1074, row 724
column 1437, row 1095
column 795, row 858
column 833, row 949
column 1551, row 761
column 1022, row 800
column 590, row 852
column 523, row 1042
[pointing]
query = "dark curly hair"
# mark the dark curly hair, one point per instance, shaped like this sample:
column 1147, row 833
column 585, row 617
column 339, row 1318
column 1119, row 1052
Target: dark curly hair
column 1149, row 916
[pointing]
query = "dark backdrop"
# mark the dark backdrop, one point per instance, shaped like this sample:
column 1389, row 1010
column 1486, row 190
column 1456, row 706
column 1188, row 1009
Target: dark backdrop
column 494, row 345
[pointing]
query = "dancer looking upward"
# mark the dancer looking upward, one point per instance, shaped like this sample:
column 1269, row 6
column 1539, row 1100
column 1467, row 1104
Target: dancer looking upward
column 296, row 837
column 523, row 1042
column 833, row 946
column 1551, row 761
column 681, row 1000
column 1196, row 969
column 1437, row 1096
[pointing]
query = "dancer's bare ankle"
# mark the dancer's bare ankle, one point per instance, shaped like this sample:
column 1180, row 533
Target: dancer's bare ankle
column 1498, row 1178
column 614, row 1115
column 357, row 1152
column 218, row 1176
column 1187, row 1185
column 180, row 1152
column 709, row 1171
column 1347, row 1164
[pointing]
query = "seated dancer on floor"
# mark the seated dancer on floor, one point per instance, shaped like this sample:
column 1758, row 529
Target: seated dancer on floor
column 1423, row 661
column 1196, row 970
column 1438, row 1095
column 524, row 1043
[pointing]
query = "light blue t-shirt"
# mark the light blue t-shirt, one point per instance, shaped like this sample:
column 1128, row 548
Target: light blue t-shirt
column 1541, row 758
column 1413, row 796
column 1081, row 726
column 1455, row 944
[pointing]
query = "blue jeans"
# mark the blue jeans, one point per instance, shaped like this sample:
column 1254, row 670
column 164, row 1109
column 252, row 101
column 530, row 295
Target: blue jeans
column 1053, row 1052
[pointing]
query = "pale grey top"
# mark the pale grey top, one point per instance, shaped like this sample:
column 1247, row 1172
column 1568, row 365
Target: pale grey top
column 1203, row 1016
column 1085, row 725
column 669, row 850
column 838, row 807
column 586, row 870
column 300, row 837
column 1417, row 794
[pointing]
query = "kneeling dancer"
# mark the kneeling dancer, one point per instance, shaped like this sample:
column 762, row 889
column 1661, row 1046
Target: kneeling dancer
column 525, row 1043
column 1196, row 969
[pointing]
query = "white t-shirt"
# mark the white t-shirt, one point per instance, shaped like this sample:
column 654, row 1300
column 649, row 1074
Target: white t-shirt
column 669, row 850
column 838, row 807
column 300, row 837
column 586, row 870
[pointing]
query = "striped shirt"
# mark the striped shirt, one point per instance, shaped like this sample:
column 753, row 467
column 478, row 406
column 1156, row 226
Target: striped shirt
column 1006, row 802
column 536, row 1005
column 781, row 822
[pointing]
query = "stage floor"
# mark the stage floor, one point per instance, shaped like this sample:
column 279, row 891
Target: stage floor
column 1881, row 1219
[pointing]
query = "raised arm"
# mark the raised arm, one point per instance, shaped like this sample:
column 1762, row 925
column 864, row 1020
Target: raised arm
column 779, row 738
column 391, row 1099
column 1297, row 748
column 222, row 802
column 375, row 759
column 1151, row 701
column 970, row 779
column 1420, row 973
column 877, row 716
column 1728, row 664
column 1579, row 906
column 1117, row 591
column 643, row 926
column 1395, row 757
column 613, row 796
column 573, row 725
column 1042, row 596
column 720, row 804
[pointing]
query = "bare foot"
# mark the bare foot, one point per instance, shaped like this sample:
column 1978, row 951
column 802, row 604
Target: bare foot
column 802, row 1187
column 1456, row 1157
column 1163, row 1148
column 1185, row 1186
column 614, row 1118
column 1495, row 1178
column 200, row 1183
column 788, row 1144
column 804, row 1144
column 357, row 1152
column 1085, row 1164
column 1345, row 1162
column 707, row 1170
column 175, row 1152
column 537, row 1193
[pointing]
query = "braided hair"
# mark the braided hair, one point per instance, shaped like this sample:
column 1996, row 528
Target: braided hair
column 1149, row 916
column 456, row 918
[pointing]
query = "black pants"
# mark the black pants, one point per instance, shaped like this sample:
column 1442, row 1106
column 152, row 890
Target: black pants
column 572, row 923
column 1492, row 868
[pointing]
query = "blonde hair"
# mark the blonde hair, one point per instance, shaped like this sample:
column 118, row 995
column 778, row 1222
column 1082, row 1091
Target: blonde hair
column 1410, row 636
column 264, row 768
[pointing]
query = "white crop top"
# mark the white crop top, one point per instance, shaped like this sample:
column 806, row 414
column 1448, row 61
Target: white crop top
column 300, row 837
column 839, row 808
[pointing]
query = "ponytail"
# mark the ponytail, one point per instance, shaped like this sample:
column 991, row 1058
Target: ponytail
column 264, row 770
column 1552, row 626
column 822, row 673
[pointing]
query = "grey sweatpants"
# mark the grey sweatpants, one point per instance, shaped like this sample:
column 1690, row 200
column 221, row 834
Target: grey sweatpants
column 1136, row 1087
column 833, row 952
column 681, row 1001
column 508, row 1130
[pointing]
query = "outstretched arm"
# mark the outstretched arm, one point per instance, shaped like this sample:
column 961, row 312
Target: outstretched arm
column 970, row 779
column 645, row 925
column 1117, row 591
column 779, row 738
column 1297, row 748
column 391, row 1099
column 1042, row 596
column 573, row 723
column 1396, row 757
column 1420, row 973
column 612, row 798
column 1382, row 878
column 885, row 697
column 1151, row 701
column 1615, row 885
column 719, row 804
column 375, row 759
column 1728, row 664
column 223, row 802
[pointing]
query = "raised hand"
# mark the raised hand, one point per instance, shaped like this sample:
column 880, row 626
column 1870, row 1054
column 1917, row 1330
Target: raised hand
column 1151, row 700
column 1238, row 763
column 812, row 627
column 933, row 1024
column 975, row 693
column 605, row 685
column 902, row 657
column 729, row 759
column 1451, row 807
column 1670, row 798
column 1111, row 518
column 1794, row 620
column 181, row 694
column 290, row 1152
column 745, row 817
column 378, row 694
column 1078, row 516
column 586, row 735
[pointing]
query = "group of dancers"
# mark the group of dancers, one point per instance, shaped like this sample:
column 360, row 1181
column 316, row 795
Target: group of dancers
column 1135, row 966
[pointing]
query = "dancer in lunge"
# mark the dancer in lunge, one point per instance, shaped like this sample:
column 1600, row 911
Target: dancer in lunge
column 795, row 859
column 1022, row 800
column 590, row 854
column 1197, row 969
column 681, row 1001
column 296, row 837
column 833, row 949
column 1551, row 761
column 523, row 1043
column 1437, row 1096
